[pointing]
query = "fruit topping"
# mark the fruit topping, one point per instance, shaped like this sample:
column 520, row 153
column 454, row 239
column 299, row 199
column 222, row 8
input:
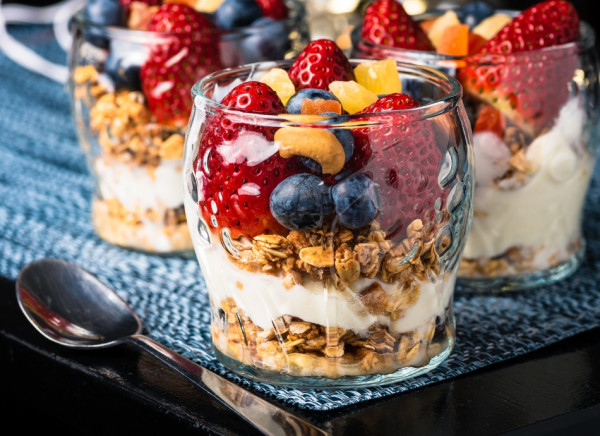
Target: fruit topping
column 354, row 97
column 265, row 38
column 379, row 77
column 489, row 27
column 356, row 200
column 401, row 156
column 301, row 202
column 530, row 88
column 439, row 26
column 295, row 104
column 172, row 68
column 280, row 82
column 318, row 64
column 474, row 13
column 232, row 14
column 238, row 165
column 387, row 23
column 275, row 9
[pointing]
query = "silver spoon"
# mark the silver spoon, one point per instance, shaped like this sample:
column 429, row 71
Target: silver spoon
column 71, row 307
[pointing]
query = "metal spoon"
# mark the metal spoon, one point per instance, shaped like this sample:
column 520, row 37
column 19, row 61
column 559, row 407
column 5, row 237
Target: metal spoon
column 71, row 307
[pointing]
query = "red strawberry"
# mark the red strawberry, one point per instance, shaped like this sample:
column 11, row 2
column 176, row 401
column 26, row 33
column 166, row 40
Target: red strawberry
column 238, row 165
column 177, row 62
column 530, row 86
column 275, row 9
column 318, row 64
column 402, row 157
column 387, row 23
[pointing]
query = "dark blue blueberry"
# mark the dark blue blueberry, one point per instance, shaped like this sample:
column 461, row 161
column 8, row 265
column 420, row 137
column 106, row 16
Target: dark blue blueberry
column 105, row 12
column 102, row 13
column 356, row 200
column 345, row 137
column 123, row 64
column 267, row 40
column 301, row 202
column 237, row 13
column 474, row 13
column 294, row 104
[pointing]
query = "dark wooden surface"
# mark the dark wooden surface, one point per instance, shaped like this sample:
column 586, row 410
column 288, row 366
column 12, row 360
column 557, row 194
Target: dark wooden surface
column 46, row 387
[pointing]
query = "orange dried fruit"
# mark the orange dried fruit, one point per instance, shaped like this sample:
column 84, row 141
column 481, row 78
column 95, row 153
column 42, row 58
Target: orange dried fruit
column 319, row 106
column 455, row 40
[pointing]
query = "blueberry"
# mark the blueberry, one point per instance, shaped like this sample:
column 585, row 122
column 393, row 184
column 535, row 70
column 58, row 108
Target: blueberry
column 356, row 200
column 301, row 202
column 237, row 13
column 267, row 40
column 105, row 12
column 294, row 104
column 345, row 137
column 123, row 64
column 474, row 13
column 102, row 13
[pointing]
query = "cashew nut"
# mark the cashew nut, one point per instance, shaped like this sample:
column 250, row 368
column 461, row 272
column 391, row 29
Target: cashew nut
column 318, row 144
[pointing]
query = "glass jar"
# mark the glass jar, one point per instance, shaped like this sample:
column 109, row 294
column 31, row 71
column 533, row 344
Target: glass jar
column 353, row 285
column 131, row 115
column 535, row 153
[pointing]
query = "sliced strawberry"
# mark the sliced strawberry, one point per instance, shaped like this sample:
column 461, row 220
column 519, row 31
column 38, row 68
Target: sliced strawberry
column 386, row 23
column 175, row 63
column 318, row 64
column 402, row 157
column 275, row 9
column 530, row 86
column 238, row 165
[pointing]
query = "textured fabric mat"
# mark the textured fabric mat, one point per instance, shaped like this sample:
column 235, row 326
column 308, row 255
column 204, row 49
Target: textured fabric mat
column 45, row 194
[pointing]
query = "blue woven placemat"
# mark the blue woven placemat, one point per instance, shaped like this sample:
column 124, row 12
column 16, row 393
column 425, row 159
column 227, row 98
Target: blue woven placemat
column 45, row 194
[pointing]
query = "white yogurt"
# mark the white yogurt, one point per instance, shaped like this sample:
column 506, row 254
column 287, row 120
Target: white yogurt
column 140, row 188
column 543, row 214
column 263, row 297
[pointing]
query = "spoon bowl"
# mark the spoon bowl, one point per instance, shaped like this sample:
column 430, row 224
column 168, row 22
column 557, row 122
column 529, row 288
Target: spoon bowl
column 72, row 307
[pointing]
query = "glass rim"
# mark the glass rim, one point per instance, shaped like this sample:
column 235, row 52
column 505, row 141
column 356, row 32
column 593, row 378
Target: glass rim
column 452, row 96
column 587, row 40
column 296, row 9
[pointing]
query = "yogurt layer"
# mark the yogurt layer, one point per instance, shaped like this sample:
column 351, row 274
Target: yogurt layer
column 140, row 188
column 264, row 298
column 543, row 214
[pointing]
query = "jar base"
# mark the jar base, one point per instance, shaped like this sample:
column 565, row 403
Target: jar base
column 520, row 282
column 344, row 382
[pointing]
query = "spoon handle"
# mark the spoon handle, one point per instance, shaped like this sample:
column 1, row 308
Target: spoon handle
column 265, row 416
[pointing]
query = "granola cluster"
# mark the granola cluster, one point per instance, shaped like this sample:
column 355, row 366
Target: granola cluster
column 338, row 258
column 127, row 133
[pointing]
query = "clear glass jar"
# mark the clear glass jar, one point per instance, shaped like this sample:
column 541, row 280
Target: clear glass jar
column 133, row 145
column 363, row 295
column 534, row 161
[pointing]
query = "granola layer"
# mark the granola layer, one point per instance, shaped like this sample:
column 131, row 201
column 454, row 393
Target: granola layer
column 299, row 348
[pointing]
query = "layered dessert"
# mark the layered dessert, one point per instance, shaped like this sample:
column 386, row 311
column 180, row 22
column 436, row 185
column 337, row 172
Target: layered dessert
column 328, row 209
column 528, row 95
column 133, row 65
